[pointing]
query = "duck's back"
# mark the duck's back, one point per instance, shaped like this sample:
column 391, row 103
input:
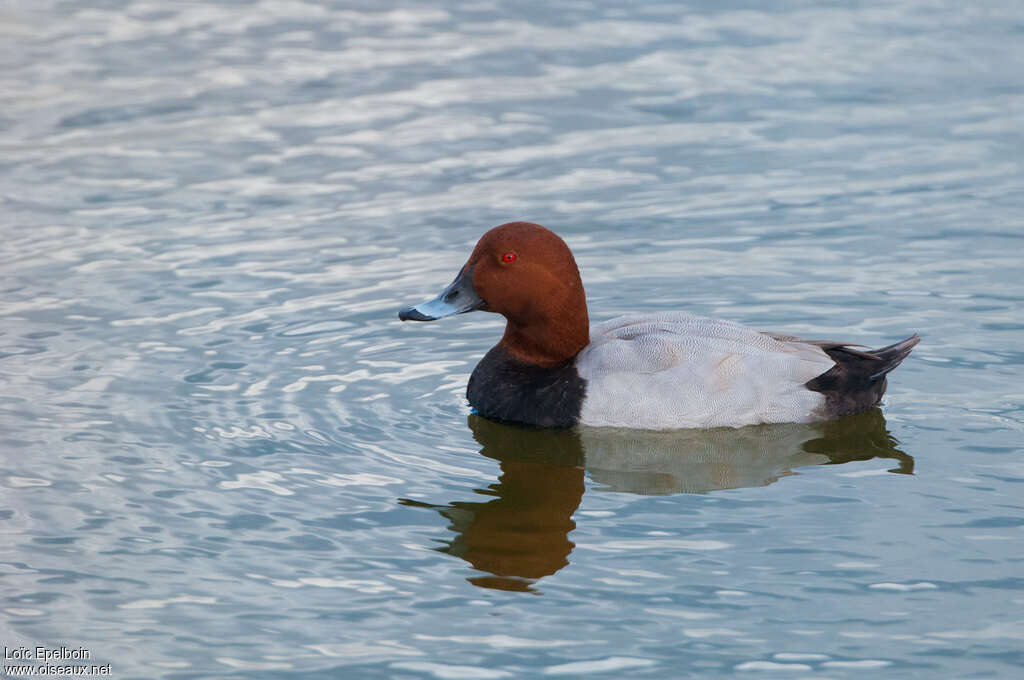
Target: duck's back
column 679, row 370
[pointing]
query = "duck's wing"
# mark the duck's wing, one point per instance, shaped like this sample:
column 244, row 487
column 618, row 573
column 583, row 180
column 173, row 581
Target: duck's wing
column 652, row 343
column 678, row 370
column 824, row 344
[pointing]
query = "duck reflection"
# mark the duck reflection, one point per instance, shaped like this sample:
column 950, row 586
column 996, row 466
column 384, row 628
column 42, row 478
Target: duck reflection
column 521, row 534
column 699, row 461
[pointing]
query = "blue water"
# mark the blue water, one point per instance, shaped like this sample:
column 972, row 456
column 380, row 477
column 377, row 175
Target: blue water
column 223, row 456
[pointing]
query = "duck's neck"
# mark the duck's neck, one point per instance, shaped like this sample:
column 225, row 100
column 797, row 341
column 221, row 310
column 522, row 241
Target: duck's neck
column 547, row 339
column 530, row 376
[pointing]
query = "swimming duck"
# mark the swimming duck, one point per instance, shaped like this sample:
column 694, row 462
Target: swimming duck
column 665, row 370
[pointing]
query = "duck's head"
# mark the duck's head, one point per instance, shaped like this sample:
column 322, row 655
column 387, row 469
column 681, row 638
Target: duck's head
column 527, row 274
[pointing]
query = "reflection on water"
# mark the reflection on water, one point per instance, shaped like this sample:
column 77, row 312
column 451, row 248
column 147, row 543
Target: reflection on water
column 698, row 461
column 522, row 533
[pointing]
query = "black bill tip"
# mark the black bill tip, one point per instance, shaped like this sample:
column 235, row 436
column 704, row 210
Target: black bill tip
column 413, row 314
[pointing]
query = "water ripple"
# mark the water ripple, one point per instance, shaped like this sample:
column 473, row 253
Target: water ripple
column 222, row 454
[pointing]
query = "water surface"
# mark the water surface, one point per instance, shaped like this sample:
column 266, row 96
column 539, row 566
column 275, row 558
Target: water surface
column 223, row 455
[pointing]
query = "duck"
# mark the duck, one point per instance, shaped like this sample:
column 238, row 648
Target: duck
column 648, row 371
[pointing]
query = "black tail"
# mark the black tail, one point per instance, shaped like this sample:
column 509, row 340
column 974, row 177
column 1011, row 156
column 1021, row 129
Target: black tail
column 857, row 381
column 892, row 355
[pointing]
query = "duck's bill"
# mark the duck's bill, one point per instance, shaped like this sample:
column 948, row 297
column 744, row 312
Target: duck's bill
column 458, row 298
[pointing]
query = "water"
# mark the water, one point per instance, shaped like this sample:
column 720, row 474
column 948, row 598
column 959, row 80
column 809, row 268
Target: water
column 224, row 456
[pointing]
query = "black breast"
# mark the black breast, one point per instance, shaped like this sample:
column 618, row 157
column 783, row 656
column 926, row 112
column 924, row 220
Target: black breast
column 505, row 388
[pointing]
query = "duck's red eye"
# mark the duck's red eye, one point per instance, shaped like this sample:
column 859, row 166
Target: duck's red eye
column 509, row 257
